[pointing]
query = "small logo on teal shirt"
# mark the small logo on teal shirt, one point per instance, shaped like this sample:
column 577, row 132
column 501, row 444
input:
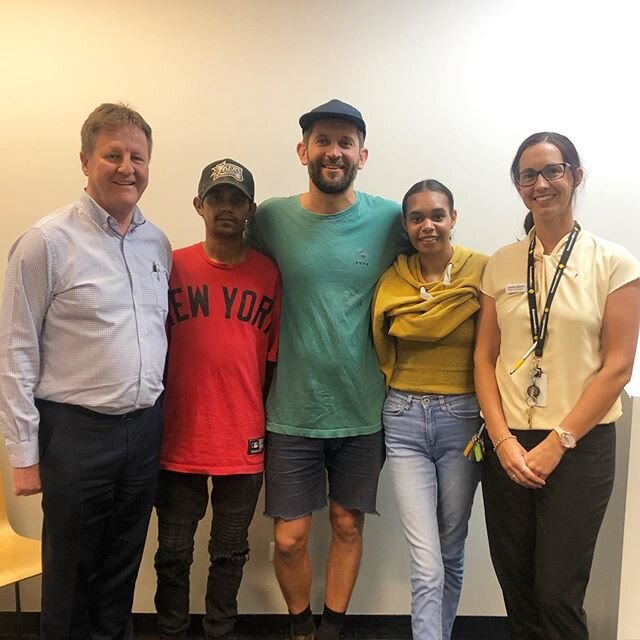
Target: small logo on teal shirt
column 363, row 258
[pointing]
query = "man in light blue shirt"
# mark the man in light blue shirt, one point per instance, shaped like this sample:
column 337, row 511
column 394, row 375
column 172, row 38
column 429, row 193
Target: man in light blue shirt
column 82, row 351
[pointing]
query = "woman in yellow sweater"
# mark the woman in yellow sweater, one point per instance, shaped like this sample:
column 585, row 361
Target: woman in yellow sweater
column 423, row 328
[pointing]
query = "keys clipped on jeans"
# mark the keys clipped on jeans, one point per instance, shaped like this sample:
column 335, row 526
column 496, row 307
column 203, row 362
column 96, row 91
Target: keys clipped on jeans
column 474, row 450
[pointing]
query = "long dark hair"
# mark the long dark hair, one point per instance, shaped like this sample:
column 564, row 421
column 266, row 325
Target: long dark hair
column 562, row 143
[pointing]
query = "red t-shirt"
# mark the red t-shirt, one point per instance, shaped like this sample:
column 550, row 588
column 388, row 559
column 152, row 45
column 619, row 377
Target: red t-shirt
column 223, row 326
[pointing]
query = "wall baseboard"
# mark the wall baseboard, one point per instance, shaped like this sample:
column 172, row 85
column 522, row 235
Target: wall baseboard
column 369, row 627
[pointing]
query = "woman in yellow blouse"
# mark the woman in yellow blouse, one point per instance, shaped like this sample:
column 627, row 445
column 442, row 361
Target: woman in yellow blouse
column 556, row 338
column 423, row 328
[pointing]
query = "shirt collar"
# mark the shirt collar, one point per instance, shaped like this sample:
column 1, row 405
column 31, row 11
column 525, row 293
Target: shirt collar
column 538, row 252
column 103, row 219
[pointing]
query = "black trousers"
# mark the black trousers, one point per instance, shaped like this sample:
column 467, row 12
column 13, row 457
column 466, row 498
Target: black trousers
column 181, row 504
column 99, row 477
column 542, row 540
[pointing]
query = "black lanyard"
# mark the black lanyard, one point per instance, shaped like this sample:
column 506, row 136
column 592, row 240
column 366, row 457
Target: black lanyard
column 539, row 328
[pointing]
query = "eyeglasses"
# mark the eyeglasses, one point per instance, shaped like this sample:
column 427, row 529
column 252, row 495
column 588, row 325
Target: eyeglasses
column 551, row 172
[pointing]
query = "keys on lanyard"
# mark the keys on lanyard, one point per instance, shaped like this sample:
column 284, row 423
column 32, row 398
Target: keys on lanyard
column 536, row 396
column 533, row 391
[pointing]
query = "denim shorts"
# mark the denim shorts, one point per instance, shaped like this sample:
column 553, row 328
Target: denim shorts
column 297, row 467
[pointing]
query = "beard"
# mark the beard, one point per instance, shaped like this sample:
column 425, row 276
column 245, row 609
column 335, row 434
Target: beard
column 332, row 186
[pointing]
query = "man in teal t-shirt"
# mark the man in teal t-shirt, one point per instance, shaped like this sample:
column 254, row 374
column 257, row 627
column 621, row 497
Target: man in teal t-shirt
column 332, row 244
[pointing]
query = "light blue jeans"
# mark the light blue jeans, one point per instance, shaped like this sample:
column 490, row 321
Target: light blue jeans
column 434, row 485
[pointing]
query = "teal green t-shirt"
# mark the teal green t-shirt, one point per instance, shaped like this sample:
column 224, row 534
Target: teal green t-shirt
column 327, row 382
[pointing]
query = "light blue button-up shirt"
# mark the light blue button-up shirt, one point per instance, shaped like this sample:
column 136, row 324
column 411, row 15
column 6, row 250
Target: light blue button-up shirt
column 82, row 319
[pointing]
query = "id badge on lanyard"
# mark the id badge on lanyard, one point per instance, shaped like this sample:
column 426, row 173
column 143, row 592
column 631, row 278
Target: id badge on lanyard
column 536, row 392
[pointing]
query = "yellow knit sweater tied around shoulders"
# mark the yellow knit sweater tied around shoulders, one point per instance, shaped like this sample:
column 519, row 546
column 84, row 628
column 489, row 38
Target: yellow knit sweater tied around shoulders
column 426, row 345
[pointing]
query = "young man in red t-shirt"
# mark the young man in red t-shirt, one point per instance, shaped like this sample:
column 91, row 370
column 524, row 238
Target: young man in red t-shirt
column 224, row 307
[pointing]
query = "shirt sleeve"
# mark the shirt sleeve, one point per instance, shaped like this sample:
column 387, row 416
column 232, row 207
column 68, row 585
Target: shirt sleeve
column 624, row 269
column 487, row 285
column 26, row 298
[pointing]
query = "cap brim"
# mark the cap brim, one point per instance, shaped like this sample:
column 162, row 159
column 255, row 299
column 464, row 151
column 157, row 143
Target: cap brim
column 231, row 183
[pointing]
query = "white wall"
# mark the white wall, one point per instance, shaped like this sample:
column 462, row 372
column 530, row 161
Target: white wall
column 448, row 90
column 628, row 611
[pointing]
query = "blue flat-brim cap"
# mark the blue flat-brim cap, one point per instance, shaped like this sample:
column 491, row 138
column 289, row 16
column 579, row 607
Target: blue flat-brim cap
column 333, row 109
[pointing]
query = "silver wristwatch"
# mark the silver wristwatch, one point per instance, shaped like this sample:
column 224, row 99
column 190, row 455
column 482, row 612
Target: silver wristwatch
column 567, row 439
